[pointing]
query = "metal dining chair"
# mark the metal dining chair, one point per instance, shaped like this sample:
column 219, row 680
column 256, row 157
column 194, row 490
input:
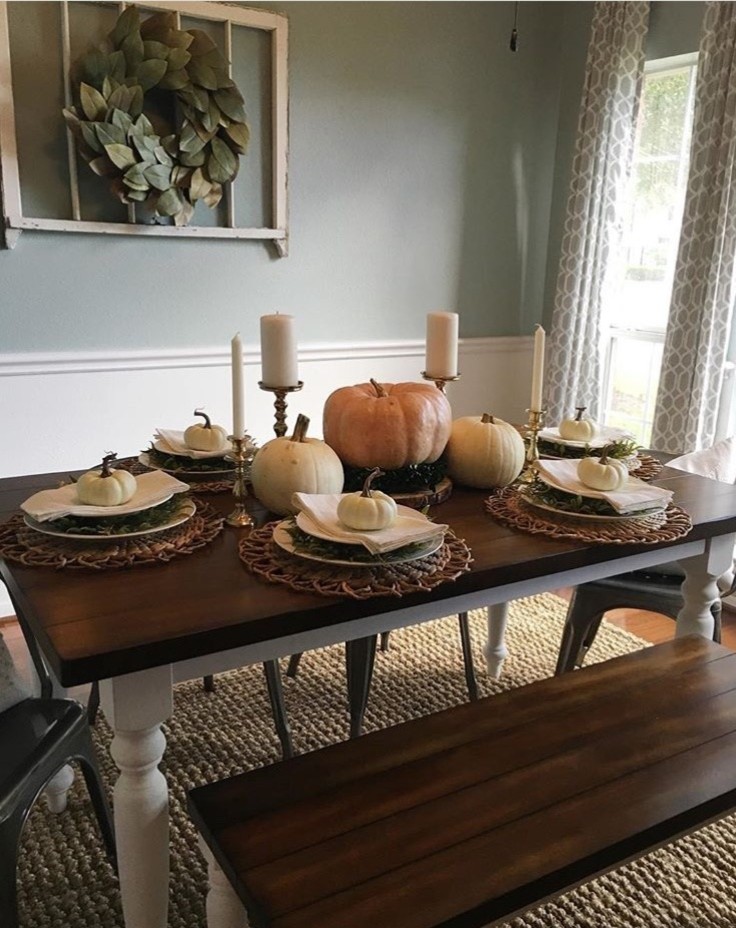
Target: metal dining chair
column 38, row 737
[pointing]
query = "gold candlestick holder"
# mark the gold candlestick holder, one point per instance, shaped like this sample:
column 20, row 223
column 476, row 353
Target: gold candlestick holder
column 440, row 382
column 240, row 456
column 534, row 425
column 280, row 404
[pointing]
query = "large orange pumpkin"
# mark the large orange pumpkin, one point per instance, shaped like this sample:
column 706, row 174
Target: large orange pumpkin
column 387, row 425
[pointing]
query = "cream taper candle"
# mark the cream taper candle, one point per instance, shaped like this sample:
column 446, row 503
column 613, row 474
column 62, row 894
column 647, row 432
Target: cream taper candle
column 441, row 357
column 236, row 349
column 538, row 370
column 279, row 366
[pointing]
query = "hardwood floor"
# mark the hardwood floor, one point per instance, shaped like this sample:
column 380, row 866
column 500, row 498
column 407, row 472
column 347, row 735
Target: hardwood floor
column 650, row 626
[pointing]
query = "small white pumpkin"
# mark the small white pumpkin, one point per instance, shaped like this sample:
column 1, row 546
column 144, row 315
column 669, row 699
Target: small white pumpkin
column 106, row 487
column 602, row 473
column 284, row 466
column 484, row 452
column 368, row 510
column 578, row 429
column 206, row 437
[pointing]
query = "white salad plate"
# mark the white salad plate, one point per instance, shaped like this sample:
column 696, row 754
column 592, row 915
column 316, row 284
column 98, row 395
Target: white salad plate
column 185, row 513
column 624, row 517
column 604, row 437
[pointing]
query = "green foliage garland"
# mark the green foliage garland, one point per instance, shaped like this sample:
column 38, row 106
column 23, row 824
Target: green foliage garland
column 181, row 80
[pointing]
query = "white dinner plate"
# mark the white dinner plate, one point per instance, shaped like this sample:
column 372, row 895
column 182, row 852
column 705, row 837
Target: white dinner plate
column 538, row 504
column 185, row 512
column 398, row 556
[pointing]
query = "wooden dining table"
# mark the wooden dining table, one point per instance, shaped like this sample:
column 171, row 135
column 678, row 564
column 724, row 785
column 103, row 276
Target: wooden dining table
column 139, row 631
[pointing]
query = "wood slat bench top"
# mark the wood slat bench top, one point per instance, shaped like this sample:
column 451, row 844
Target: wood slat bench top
column 475, row 813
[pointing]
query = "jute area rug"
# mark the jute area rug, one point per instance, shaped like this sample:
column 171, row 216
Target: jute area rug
column 64, row 881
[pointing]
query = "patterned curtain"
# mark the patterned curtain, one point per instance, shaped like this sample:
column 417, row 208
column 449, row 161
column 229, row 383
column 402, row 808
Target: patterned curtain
column 593, row 225
column 703, row 291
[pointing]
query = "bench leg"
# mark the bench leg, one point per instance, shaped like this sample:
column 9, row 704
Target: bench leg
column 360, row 656
column 278, row 707
column 224, row 909
column 495, row 651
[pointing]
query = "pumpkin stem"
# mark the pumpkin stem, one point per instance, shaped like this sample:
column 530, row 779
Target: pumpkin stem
column 487, row 419
column 203, row 414
column 106, row 462
column 378, row 388
column 579, row 410
column 376, row 472
column 300, row 428
column 605, row 451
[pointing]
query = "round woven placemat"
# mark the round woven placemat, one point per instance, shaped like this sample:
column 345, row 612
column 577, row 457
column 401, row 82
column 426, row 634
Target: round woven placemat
column 647, row 467
column 509, row 507
column 25, row 546
column 265, row 559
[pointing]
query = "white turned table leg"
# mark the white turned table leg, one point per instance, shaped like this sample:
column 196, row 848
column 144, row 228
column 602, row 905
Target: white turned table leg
column 141, row 810
column 136, row 705
column 57, row 789
column 224, row 908
column 495, row 651
column 700, row 588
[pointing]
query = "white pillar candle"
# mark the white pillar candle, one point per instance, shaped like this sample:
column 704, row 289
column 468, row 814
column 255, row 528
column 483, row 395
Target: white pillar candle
column 236, row 349
column 441, row 359
column 538, row 370
column 279, row 367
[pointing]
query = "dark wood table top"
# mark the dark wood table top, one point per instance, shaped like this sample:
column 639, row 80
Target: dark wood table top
column 97, row 624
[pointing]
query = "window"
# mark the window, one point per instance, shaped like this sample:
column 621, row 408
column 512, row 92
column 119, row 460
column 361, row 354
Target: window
column 642, row 281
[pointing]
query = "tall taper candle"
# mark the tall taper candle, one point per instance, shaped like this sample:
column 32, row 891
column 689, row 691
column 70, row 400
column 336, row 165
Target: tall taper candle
column 236, row 348
column 441, row 358
column 279, row 367
column 538, row 370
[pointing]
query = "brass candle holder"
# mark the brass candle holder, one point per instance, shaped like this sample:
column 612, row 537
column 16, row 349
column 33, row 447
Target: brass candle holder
column 280, row 404
column 534, row 425
column 440, row 382
column 240, row 456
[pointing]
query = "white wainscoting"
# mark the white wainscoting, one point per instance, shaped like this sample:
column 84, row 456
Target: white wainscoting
column 66, row 409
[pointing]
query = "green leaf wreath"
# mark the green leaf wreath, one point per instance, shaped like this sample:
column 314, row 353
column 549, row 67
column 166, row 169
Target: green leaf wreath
column 190, row 145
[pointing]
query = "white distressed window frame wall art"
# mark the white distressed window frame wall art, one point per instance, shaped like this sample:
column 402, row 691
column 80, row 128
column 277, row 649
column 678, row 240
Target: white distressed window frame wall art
column 232, row 17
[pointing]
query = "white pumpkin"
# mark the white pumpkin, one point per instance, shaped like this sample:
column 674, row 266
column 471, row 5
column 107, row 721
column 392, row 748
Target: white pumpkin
column 368, row 510
column 579, row 428
column 484, row 452
column 106, row 487
column 602, row 473
column 284, row 466
column 206, row 436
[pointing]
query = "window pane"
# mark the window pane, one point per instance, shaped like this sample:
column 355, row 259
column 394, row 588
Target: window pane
column 632, row 389
column 655, row 206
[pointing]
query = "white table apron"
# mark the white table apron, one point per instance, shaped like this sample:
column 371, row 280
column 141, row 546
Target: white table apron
column 136, row 704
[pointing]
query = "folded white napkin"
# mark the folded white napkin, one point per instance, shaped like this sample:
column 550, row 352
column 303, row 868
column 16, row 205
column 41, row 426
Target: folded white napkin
column 634, row 496
column 151, row 489
column 410, row 527
column 171, row 441
column 604, row 436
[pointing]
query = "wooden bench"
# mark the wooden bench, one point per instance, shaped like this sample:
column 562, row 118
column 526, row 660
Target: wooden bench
column 476, row 813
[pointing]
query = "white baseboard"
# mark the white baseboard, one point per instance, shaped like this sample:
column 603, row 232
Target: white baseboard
column 68, row 408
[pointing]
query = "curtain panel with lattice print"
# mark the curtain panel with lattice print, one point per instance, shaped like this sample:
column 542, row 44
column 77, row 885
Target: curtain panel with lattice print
column 593, row 225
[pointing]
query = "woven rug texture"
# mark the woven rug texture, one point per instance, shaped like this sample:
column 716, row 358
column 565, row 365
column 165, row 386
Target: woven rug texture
column 64, row 880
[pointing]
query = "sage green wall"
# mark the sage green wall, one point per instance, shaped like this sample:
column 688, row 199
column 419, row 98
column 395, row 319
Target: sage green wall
column 674, row 29
column 420, row 177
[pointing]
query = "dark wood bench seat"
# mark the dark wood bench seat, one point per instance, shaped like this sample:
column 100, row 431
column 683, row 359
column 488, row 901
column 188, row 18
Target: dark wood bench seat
column 473, row 814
